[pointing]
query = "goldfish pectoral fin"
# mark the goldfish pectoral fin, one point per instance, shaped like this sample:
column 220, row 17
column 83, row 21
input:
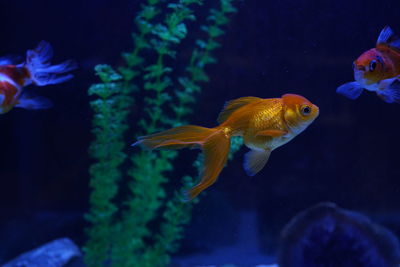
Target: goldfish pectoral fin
column 255, row 160
column 33, row 102
column 390, row 92
column 273, row 133
column 351, row 90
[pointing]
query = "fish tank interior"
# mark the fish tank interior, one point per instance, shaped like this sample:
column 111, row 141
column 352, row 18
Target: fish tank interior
column 75, row 192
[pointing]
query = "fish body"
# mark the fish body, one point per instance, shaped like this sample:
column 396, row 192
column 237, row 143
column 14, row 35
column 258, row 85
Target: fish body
column 374, row 68
column 35, row 70
column 264, row 124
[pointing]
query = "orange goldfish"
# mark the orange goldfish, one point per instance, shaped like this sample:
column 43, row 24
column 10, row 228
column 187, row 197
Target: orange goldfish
column 377, row 70
column 264, row 124
column 37, row 70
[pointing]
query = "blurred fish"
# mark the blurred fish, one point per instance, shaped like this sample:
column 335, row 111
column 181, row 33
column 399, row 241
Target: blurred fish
column 377, row 70
column 265, row 124
column 36, row 70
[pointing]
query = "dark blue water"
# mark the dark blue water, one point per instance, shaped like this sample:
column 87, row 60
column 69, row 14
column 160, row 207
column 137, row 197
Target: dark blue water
column 349, row 155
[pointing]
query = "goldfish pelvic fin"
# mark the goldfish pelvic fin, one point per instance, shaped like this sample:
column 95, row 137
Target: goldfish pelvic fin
column 351, row 90
column 390, row 92
column 255, row 160
column 233, row 105
column 387, row 37
column 273, row 133
column 33, row 102
column 214, row 143
column 40, row 69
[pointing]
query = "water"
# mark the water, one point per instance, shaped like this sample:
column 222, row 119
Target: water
column 347, row 156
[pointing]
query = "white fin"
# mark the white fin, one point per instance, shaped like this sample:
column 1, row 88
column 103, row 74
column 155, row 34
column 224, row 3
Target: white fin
column 33, row 102
column 387, row 37
column 351, row 90
column 41, row 70
column 390, row 90
column 255, row 160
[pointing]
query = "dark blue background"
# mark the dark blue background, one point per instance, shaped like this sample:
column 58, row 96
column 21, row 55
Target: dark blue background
column 350, row 155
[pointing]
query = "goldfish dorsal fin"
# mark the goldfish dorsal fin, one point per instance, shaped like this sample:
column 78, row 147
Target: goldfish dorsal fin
column 387, row 37
column 233, row 105
column 9, row 60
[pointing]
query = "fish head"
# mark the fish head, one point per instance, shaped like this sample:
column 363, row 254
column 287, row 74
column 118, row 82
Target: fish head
column 369, row 68
column 299, row 112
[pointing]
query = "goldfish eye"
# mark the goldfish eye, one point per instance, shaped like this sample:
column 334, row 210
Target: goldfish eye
column 372, row 65
column 305, row 110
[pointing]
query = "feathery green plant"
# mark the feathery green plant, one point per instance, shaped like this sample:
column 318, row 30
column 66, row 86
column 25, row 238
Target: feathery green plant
column 119, row 234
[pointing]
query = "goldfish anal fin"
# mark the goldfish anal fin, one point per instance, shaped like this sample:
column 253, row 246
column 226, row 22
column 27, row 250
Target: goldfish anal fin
column 388, row 38
column 351, row 90
column 233, row 105
column 215, row 149
column 273, row 133
column 33, row 102
column 255, row 160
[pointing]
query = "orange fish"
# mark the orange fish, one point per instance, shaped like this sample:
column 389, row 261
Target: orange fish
column 37, row 70
column 377, row 70
column 264, row 124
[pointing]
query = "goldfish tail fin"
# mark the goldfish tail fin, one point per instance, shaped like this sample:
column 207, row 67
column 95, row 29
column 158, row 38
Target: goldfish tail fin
column 215, row 149
column 40, row 69
column 214, row 143
column 351, row 90
column 390, row 92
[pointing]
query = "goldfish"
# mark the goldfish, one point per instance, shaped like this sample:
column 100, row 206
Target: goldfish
column 35, row 70
column 377, row 70
column 264, row 125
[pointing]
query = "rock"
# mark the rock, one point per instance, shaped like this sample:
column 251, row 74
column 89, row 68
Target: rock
column 326, row 235
column 57, row 253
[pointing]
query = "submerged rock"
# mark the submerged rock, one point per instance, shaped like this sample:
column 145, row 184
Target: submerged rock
column 326, row 235
column 57, row 253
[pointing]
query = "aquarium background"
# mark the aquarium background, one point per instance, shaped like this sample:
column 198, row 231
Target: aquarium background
column 349, row 155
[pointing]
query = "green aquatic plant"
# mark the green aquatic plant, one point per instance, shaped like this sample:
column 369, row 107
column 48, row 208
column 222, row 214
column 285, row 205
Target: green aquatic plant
column 120, row 234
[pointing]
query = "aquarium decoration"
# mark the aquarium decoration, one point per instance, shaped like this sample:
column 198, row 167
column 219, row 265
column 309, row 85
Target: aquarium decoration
column 142, row 227
column 326, row 235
